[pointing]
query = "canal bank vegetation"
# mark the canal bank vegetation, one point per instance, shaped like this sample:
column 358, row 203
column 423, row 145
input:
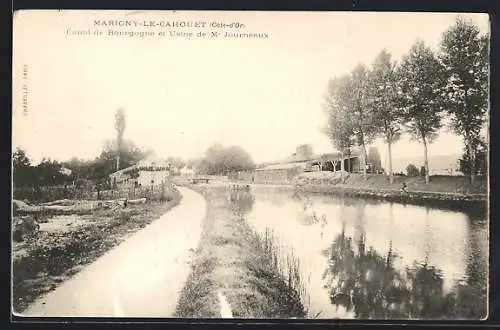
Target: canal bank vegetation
column 418, row 96
column 65, row 243
column 452, row 190
column 234, row 262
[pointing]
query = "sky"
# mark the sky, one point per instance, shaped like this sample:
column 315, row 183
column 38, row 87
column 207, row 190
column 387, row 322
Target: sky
column 182, row 95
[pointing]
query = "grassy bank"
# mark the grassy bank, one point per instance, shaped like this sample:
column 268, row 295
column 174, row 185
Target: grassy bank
column 65, row 244
column 442, row 191
column 438, row 184
column 234, row 261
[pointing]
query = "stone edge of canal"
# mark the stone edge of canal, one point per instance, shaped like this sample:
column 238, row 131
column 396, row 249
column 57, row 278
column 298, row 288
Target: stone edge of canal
column 231, row 274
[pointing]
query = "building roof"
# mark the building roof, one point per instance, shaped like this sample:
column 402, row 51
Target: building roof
column 147, row 162
column 121, row 174
column 152, row 161
column 293, row 159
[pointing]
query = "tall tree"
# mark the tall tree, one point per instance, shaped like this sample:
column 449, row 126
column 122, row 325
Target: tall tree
column 464, row 55
column 21, row 168
column 384, row 102
column 238, row 159
column 421, row 82
column 374, row 159
column 219, row 160
column 339, row 128
column 120, row 129
column 48, row 173
column 20, row 159
column 362, row 117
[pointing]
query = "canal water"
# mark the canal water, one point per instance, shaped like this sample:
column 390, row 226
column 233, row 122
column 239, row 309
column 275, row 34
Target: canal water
column 372, row 259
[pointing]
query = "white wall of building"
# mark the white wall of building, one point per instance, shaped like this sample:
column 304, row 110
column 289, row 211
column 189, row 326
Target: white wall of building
column 147, row 178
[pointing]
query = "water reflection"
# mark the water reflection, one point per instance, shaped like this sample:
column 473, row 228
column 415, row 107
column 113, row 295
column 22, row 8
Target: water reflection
column 367, row 283
column 416, row 261
column 241, row 199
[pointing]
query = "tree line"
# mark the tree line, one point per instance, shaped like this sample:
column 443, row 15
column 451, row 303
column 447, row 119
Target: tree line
column 416, row 96
column 117, row 154
column 50, row 172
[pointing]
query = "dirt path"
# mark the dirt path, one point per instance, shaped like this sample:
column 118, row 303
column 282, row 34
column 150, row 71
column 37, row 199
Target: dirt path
column 141, row 277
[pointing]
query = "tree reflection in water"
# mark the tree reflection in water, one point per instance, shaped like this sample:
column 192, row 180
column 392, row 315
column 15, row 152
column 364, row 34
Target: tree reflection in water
column 241, row 199
column 365, row 282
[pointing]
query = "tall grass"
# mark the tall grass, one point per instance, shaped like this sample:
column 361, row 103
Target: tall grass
column 287, row 265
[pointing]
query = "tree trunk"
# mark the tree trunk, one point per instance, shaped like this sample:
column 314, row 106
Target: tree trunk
column 342, row 167
column 365, row 156
column 426, row 161
column 391, row 177
column 471, row 160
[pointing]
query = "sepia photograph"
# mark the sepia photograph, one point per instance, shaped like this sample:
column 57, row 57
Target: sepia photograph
column 250, row 165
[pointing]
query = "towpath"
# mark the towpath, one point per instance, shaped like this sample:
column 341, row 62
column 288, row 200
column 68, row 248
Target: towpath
column 142, row 277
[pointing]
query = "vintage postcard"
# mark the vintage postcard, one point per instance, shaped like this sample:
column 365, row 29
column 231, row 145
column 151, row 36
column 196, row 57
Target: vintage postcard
column 250, row 164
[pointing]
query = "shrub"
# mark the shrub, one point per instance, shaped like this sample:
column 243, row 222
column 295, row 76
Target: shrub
column 412, row 170
column 422, row 171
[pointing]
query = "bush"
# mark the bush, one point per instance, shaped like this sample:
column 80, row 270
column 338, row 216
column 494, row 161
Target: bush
column 412, row 170
column 422, row 171
column 51, row 193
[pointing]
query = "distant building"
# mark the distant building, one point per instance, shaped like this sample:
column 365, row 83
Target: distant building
column 65, row 171
column 147, row 172
column 304, row 160
column 187, row 171
column 153, row 171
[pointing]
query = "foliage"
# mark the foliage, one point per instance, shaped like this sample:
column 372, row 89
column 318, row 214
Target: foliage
column 350, row 120
column 176, row 162
column 480, row 162
column 339, row 128
column 191, row 163
column 464, row 55
column 421, row 82
column 416, row 95
column 22, row 170
column 220, row 160
column 362, row 117
column 384, row 99
column 374, row 159
column 20, row 159
column 101, row 167
column 47, row 172
column 51, row 193
column 412, row 170
column 120, row 129
column 422, row 171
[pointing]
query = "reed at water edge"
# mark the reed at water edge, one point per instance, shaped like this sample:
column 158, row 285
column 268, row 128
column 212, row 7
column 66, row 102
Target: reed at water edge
column 288, row 267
